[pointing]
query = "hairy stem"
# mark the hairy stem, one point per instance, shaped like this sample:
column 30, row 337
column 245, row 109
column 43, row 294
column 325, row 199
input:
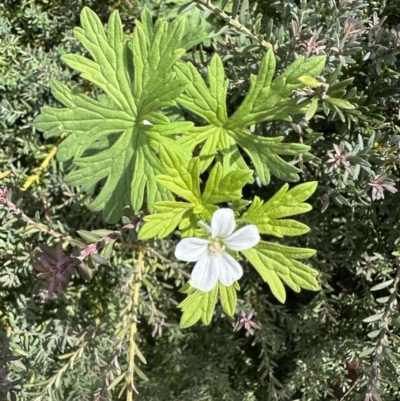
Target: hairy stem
column 5, row 199
column 133, row 326
column 233, row 23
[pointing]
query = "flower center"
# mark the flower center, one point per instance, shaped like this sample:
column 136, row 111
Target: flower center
column 216, row 246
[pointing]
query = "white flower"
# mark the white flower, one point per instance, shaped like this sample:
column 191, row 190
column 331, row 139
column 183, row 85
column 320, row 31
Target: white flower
column 213, row 261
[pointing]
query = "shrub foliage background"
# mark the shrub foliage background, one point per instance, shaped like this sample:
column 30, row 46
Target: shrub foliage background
column 339, row 343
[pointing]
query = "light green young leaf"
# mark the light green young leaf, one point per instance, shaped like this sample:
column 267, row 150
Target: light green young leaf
column 276, row 263
column 169, row 215
column 208, row 306
column 289, row 80
column 267, row 99
column 340, row 103
column 201, row 305
column 198, row 305
column 309, row 81
column 228, row 298
column 312, row 109
column 268, row 216
column 183, row 180
column 191, row 308
column 180, row 180
column 115, row 140
column 220, row 189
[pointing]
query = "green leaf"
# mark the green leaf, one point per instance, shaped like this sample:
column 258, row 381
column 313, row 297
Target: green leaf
column 367, row 352
column 264, row 153
column 312, row 109
column 374, row 333
column 209, row 103
column 186, row 7
column 382, row 285
column 309, row 81
column 339, row 103
column 340, row 85
column 228, row 298
column 104, row 233
column 268, row 216
column 198, row 304
column 116, row 381
column 287, row 82
column 183, row 180
column 191, row 309
column 162, row 224
column 115, row 140
column 98, row 259
column 140, row 373
column 265, row 100
column 220, row 189
column 276, row 263
column 258, row 95
column 208, row 306
column 186, row 289
column 88, row 236
column 140, row 355
column 373, row 318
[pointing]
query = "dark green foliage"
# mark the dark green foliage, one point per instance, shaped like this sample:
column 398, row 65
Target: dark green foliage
column 73, row 346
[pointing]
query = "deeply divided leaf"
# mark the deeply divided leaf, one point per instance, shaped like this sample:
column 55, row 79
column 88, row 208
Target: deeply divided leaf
column 267, row 99
column 279, row 264
column 183, row 180
column 200, row 305
column 268, row 217
column 114, row 140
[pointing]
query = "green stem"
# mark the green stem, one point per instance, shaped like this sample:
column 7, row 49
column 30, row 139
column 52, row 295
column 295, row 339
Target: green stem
column 232, row 22
column 133, row 326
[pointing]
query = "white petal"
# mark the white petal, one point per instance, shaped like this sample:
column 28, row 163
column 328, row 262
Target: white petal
column 242, row 239
column 230, row 269
column 190, row 249
column 222, row 223
column 205, row 273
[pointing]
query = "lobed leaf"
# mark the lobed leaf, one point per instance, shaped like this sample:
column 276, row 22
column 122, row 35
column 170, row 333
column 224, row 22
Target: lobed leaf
column 267, row 99
column 183, row 180
column 226, row 188
column 276, row 264
column 228, row 298
column 162, row 224
column 267, row 216
column 198, row 305
column 114, row 141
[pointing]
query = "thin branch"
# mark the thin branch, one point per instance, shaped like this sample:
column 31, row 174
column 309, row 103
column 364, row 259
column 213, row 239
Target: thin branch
column 233, row 22
column 36, row 176
column 133, row 326
column 5, row 199
column 349, row 390
column 172, row 264
column 390, row 308
column 93, row 248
